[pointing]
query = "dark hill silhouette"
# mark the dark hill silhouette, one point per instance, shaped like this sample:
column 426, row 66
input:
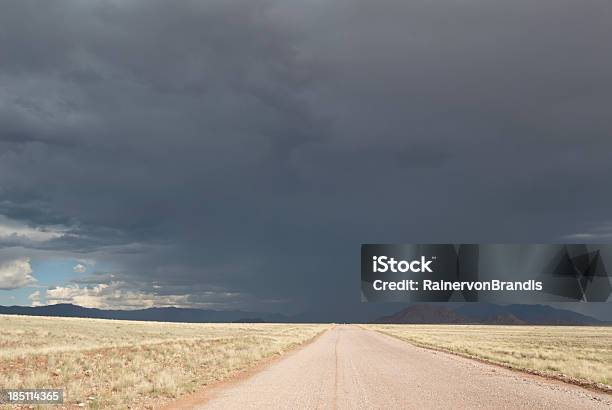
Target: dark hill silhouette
column 423, row 314
column 166, row 314
column 417, row 313
column 485, row 313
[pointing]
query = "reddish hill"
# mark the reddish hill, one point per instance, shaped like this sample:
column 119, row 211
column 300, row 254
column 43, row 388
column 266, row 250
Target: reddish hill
column 423, row 314
column 505, row 319
column 485, row 313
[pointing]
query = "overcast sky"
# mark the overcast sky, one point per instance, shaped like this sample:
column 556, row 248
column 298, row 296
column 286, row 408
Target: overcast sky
column 235, row 154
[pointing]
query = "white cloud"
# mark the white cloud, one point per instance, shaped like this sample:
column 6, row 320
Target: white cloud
column 16, row 274
column 87, row 262
column 79, row 268
column 35, row 298
column 601, row 232
column 111, row 296
column 18, row 231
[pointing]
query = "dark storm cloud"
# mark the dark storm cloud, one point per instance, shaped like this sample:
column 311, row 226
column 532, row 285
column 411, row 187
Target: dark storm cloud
column 249, row 147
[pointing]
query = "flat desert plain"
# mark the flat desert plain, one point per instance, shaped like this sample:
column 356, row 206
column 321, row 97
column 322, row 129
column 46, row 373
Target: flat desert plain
column 580, row 354
column 122, row 364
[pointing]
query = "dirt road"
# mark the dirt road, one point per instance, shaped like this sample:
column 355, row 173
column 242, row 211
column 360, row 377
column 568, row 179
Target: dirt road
column 352, row 368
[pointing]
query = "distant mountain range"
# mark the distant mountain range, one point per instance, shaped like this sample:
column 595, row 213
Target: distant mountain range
column 476, row 313
column 166, row 314
column 485, row 313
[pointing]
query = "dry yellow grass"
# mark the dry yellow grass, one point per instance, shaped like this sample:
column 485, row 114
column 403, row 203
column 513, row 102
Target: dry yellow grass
column 122, row 364
column 583, row 353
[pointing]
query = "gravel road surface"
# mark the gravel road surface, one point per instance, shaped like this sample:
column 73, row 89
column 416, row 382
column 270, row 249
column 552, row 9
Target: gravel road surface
column 352, row 368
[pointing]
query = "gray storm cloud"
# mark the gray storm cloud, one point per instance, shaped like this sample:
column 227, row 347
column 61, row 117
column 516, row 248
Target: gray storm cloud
column 247, row 148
